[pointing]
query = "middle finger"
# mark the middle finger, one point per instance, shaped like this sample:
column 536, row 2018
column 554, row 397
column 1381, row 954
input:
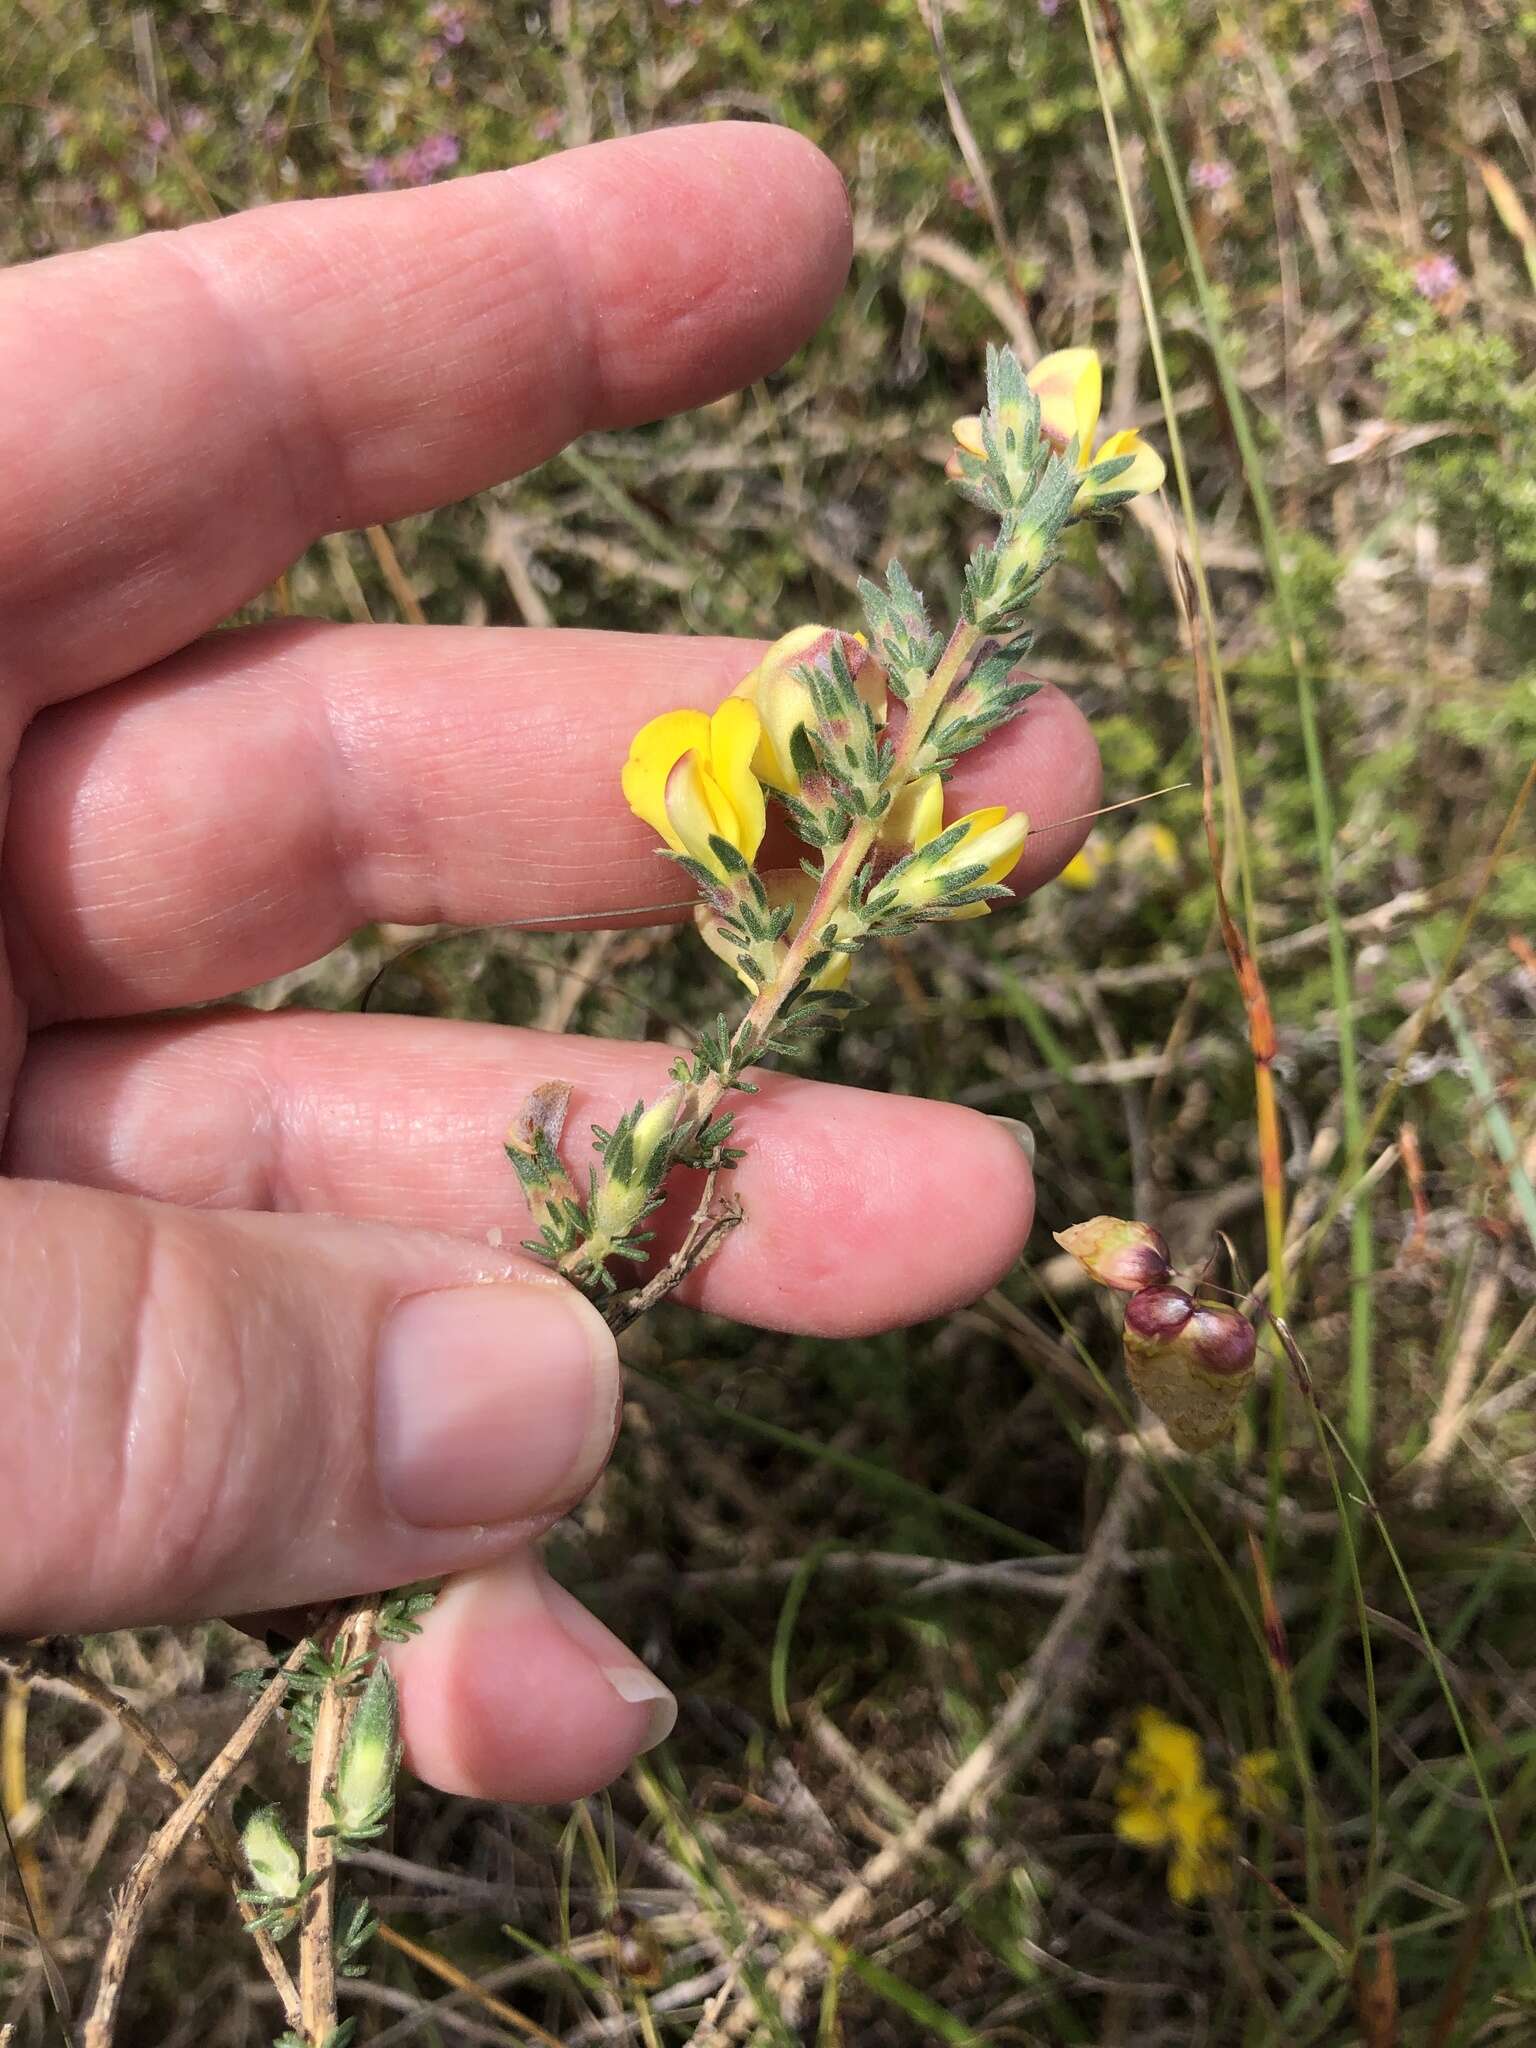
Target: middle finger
column 235, row 812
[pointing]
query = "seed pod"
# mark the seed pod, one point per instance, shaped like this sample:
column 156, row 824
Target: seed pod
column 1125, row 1256
column 1190, row 1362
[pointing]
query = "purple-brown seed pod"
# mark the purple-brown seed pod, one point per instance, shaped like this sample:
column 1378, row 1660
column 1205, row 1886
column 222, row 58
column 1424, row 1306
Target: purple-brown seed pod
column 1125, row 1256
column 1224, row 1341
column 1190, row 1362
column 1158, row 1313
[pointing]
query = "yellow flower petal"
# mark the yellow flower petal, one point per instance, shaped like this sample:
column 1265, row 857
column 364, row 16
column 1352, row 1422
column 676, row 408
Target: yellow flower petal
column 915, row 816
column 694, row 810
column 1070, row 387
column 1168, row 1751
column 1144, row 1824
column 1146, row 472
column 995, row 838
column 734, row 732
column 653, row 754
column 967, row 433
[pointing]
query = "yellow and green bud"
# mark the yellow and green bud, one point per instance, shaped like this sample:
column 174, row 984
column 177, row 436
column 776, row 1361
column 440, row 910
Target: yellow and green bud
column 781, row 695
column 935, row 861
column 634, row 1162
column 1070, row 387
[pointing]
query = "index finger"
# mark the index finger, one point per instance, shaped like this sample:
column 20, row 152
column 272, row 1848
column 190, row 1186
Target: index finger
column 200, row 406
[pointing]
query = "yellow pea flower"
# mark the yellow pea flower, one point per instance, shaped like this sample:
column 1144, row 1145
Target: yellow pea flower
column 1257, row 1777
column 1070, row 387
column 994, row 837
column 1166, row 1802
column 783, row 699
column 689, row 776
column 1201, row 1863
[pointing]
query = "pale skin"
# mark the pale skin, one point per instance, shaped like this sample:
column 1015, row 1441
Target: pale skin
column 255, row 1347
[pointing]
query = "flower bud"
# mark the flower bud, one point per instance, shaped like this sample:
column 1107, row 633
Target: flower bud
column 1125, row 1256
column 634, row 1162
column 274, row 1861
column 370, row 1756
column 782, row 697
column 1191, row 1362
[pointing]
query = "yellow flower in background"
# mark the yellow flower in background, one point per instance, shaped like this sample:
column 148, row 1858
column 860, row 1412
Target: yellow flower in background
column 1256, row 1776
column 1070, row 387
column 1200, row 1836
column 689, row 776
column 1166, row 1803
column 1151, row 845
column 783, row 699
column 1088, row 863
column 1145, row 846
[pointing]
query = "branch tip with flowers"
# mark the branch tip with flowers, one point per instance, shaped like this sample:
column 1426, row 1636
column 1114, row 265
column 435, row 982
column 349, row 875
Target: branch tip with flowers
column 851, row 738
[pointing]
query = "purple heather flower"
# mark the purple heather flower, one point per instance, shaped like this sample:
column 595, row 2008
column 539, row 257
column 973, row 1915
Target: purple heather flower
column 419, row 166
column 1050, row 8
column 157, row 133
column 1436, row 278
column 196, row 121
column 1213, row 174
column 378, row 174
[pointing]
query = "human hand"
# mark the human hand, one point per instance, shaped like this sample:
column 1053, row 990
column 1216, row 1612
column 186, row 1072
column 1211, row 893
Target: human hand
column 255, row 1350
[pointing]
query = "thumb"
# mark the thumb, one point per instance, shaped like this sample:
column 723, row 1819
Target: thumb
column 214, row 1412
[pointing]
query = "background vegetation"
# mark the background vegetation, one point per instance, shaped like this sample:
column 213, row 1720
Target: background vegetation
column 914, row 1591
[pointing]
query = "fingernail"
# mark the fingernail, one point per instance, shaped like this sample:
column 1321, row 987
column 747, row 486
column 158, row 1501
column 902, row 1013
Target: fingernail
column 635, row 1683
column 493, row 1402
column 1021, row 1135
column 637, row 1686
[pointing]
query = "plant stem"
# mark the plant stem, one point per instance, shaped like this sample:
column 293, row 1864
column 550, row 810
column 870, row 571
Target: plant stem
column 694, row 1103
column 317, row 1944
column 838, row 876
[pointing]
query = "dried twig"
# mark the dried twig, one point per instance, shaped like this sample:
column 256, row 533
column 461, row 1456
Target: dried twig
column 85, row 1686
column 1060, row 1661
column 128, row 1913
column 708, row 1229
